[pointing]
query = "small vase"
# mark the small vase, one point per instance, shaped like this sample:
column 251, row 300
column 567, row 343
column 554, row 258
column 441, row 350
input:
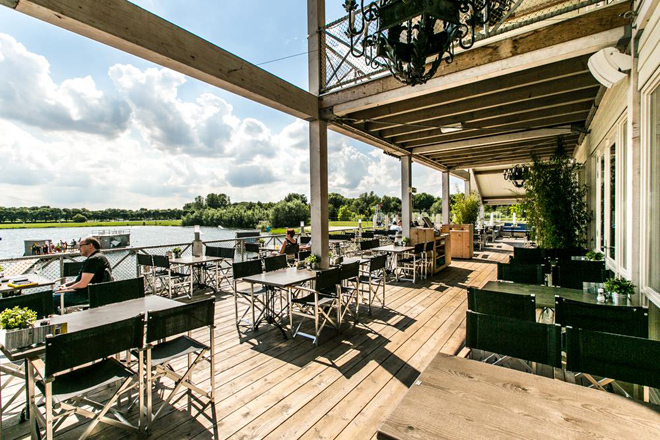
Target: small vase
column 619, row 299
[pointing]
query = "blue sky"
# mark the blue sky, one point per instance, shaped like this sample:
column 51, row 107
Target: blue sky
column 84, row 124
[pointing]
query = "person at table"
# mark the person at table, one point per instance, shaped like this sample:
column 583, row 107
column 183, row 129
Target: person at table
column 289, row 240
column 95, row 269
column 396, row 226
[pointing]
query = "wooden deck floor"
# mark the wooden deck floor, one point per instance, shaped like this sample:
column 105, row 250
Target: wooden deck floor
column 267, row 387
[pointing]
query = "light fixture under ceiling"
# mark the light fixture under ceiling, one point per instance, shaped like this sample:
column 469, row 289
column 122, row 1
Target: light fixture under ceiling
column 402, row 34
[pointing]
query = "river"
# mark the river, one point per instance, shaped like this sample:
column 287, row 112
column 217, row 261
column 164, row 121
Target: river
column 11, row 240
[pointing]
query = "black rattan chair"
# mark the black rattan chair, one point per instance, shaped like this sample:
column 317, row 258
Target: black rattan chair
column 80, row 363
column 115, row 291
column 179, row 323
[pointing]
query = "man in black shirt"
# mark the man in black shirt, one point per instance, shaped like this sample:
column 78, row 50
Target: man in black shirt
column 95, row 269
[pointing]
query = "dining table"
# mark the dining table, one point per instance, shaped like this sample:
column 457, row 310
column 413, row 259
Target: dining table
column 197, row 270
column 545, row 295
column 18, row 283
column 395, row 251
column 457, row 398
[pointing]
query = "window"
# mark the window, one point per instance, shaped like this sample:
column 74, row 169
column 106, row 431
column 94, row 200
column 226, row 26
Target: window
column 601, row 196
column 622, row 256
column 653, row 196
column 612, row 238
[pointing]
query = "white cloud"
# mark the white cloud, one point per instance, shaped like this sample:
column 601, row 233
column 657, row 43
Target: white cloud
column 28, row 94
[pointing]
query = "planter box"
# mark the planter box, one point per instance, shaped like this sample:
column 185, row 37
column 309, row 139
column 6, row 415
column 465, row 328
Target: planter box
column 14, row 339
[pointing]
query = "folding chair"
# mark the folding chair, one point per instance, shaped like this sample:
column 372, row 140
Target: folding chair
column 508, row 305
column 256, row 297
column 70, row 269
column 69, row 379
column 253, row 248
column 520, row 273
column 428, row 256
column 572, row 274
column 115, row 291
column 349, row 290
column 523, row 340
column 161, row 276
column 160, row 355
column 414, row 262
column 223, row 267
column 305, row 240
column 372, row 281
column 291, row 252
column 619, row 357
column 621, row 320
column 302, row 256
column 42, row 304
column 318, row 304
column 275, row 263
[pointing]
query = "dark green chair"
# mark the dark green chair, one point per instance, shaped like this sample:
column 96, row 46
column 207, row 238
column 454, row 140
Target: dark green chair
column 78, row 363
column 528, row 255
column 630, row 321
column 572, row 273
column 275, row 263
column 502, row 304
column 564, row 254
column 39, row 302
column 618, row 357
column 514, row 337
column 115, row 291
column 520, row 273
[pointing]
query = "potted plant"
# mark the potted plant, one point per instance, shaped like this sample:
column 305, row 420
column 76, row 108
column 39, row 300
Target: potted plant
column 18, row 331
column 620, row 289
column 177, row 252
column 594, row 256
column 312, row 261
column 405, row 241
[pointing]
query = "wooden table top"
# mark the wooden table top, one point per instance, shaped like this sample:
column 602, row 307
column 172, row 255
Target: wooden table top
column 282, row 278
column 349, row 260
column 394, row 249
column 463, row 399
column 190, row 260
column 545, row 295
column 32, row 278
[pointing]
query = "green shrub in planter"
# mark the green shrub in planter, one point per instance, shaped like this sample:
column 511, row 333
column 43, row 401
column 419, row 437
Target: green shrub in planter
column 594, row 256
column 465, row 210
column 620, row 286
column 17, row 318
column 177, row 252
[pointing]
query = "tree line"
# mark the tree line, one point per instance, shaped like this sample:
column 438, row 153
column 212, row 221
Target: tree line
column 44, row 214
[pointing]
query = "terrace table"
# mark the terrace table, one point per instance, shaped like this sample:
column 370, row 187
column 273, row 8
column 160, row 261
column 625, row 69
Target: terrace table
column 83, row 320
column 197, row 269
column 463, row 399
column 545, row 295
column 28, row 280
column 284, row 279
column 396, row 251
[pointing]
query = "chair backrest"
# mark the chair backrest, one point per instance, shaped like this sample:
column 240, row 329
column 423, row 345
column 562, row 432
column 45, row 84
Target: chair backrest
column 252, row 247
column 514, row 337
column 630, row 321
column 529, row 255
column 367, row 234
column 572, row 274
column 502, row 304
column 144, row 260
column 70, row 350
column 292, row 249
column 419, row 248
column 520, row 273
column 161, row 261
column 564, row 254
column 115, row 291
column 428, row 247
column 305, row 240
column 39, row 302
column 304, row 254
column 327, row 279
column 349, row 271
column 71, row 268
column 377, row 263
column 246, row 268
column 165, row 323
column 365, row 245
column 220, row 251
column 620, row 357
column 275, row 263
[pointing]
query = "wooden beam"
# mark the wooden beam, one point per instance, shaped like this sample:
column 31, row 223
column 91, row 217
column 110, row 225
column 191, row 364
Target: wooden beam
column 129, row 28
column 461, row 174
column 472, row 133
column 584, row 34
column 495, row 140
column 565, row 69
column 477, row 113
column 503, row 148
column 527, row 153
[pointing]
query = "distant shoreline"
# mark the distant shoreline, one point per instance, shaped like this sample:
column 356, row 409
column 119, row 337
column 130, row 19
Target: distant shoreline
column 90, row 224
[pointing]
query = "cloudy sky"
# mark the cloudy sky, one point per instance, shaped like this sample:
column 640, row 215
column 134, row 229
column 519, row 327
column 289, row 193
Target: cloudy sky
column 85, row 125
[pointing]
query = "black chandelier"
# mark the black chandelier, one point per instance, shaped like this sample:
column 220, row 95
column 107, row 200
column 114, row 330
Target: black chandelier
column 517, row 175
column 408, row 32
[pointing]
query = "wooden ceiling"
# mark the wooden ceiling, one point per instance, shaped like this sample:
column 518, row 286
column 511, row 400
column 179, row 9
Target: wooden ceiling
column 503, row 119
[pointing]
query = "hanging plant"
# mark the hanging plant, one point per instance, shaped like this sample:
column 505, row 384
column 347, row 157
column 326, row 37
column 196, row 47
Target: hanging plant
column 555, row 202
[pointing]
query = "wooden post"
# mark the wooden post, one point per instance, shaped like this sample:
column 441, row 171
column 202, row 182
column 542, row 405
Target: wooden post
column 318, row 135
column 445, row 197
column 406, row 194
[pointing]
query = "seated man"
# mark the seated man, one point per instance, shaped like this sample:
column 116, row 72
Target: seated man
column 96, row 269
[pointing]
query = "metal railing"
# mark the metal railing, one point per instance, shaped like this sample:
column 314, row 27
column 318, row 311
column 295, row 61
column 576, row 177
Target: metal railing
column 343, row 69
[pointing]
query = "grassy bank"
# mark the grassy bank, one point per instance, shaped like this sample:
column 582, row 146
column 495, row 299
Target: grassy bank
column 91, row 224
column 365, row 224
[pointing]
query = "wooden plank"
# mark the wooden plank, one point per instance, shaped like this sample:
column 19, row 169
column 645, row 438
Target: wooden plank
column 584, row 34
column 129, row 28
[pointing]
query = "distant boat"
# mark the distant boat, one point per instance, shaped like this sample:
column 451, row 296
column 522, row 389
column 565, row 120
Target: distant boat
column 220, row 227
column 109, row 239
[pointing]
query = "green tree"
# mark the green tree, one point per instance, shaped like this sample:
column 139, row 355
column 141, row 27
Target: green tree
column 391, row 205
column 345, row 214
column 79, row 218
column 422, row 201
column 217, row 200
column 436, row 207
column 295, row 196
column 288, row 214
column 466, row 209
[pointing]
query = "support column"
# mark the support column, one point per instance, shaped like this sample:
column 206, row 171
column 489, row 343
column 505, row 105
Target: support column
column 445, row 197
column 318, row 135
column 406, row 194
column 468, row 187
column 635, row 248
